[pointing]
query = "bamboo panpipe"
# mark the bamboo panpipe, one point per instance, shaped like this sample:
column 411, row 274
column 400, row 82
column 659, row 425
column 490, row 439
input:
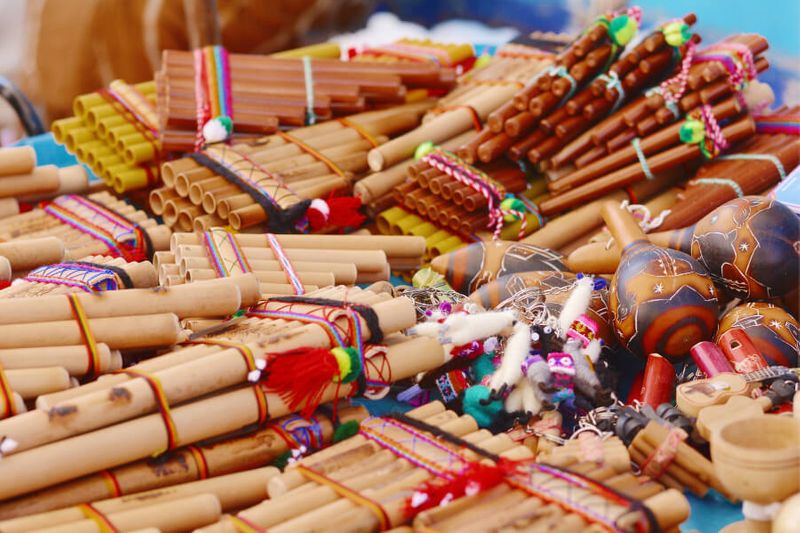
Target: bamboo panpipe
column 194, row 421
column 141, row 275
column 73, row 359
column 663, row 140
column 117, row 145
column 663, row 161
column 178, row 469
column 233, row 491
column 44, row 182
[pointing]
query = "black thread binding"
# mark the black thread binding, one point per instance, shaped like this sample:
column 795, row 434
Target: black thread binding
column 278, row 220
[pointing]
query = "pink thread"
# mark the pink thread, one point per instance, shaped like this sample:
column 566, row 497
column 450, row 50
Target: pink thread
column 712, row 128
column 682, row 78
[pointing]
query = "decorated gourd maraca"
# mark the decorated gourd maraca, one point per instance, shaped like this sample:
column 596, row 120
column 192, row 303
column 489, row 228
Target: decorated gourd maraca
column 470, row 267
column 661, row 301
column 750, row 246
column 554, row 287
column 774, row 332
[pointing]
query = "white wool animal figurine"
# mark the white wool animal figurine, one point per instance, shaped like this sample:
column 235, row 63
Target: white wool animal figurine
column 516, row 350
column 576, row 304
column 461, row 328
column 431, row 328
column 513, row 401
column 531, row 400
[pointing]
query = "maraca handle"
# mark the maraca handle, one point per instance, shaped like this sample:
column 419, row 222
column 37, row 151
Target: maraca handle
column 621, row 224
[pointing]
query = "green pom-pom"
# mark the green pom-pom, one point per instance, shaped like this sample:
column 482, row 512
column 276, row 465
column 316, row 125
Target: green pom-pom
column 483, row 366
column 511, row 204
column 677, row 33
column 346, row 430
column 482, row 61
column 484, row 415
column 424, row 149
column 623, row 29
column 692, row 132
column 282, row 460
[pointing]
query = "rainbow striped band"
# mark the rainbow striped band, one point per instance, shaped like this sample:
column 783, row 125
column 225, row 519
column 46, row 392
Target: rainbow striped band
column 224, row 268
column 212, row 87
column 86, row 334
column 160, row 397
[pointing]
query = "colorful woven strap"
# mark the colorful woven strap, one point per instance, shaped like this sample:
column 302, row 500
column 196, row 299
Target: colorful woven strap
column 200, row 461
column 319, row 156
column 212, row 87
column 103, row 523
column 346, row 492
column 214, row 239
column 261, row 401
column 7, row 406
column 112, row 483
column 86, row 334
column 360, row 129
column 162, row 403
column 286, row 264
column 737, row 60
column 122, row 237
column 243, row 525
column 88, row 277
column 662, row 456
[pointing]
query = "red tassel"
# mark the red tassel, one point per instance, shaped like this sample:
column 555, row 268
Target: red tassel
column 474, row 479
column 300, row 376
column 339, row 212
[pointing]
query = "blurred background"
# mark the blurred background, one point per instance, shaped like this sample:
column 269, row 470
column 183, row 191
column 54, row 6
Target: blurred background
column 56, row 49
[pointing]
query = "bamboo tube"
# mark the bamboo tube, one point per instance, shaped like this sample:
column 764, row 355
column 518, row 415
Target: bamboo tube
column 213, row 298
column 343, row 273
column 233, row 491
column 73, row 359
column 399, row 247
column 119, row 332
column 194, row 421
column 176, row 357
column 446, row 126
column 169, row 517
column 31, row 382
column 31, row 253
column 19, row 160
column 40, row 180
column 8, row 207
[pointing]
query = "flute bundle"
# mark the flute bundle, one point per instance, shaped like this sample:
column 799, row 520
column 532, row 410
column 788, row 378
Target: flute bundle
column 99, row 224
column 716, row 121
column 541, row 104
column 236, row 93
column 458, row 56
column 23, row 180
column 399, row 466
column 181, row 468
column 90, row 274
column 279, row 181
column 115, row 132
